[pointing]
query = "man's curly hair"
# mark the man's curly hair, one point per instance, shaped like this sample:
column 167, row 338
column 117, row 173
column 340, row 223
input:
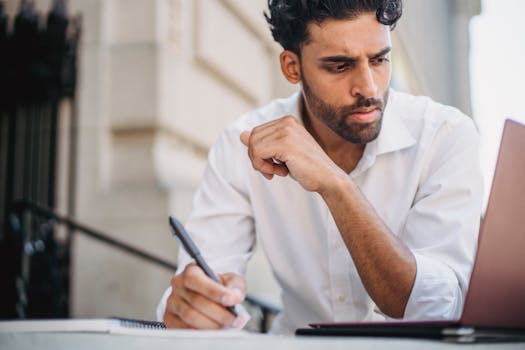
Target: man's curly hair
column 288, row 19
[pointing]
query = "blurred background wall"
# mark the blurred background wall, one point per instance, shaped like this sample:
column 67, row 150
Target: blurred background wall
column 157, row 81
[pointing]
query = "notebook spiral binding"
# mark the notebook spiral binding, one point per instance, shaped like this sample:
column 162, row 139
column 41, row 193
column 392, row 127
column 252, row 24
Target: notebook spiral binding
column 134, row 323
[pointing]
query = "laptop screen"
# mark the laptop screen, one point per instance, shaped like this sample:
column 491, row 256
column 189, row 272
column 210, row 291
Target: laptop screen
column 496, row 294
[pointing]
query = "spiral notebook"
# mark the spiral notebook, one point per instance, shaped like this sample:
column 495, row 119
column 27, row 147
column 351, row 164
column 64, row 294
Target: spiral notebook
column 114, row 325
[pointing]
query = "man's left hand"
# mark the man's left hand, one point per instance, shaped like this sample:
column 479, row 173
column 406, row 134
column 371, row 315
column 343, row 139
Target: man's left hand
column 296, row 153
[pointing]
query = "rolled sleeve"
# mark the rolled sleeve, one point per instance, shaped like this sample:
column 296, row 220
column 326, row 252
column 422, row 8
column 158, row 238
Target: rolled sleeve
column 436, row 293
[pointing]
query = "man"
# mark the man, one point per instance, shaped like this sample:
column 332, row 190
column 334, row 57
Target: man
column 375, row 208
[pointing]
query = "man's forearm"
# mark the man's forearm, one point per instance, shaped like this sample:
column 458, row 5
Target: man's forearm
column 386, row 266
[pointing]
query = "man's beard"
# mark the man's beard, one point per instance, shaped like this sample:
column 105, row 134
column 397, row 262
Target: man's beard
column 336, row 117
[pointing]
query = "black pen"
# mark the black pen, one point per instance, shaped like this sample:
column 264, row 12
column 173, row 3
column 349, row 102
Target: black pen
column 193, row 251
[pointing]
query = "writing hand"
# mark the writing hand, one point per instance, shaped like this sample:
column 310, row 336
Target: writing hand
column 197, row 302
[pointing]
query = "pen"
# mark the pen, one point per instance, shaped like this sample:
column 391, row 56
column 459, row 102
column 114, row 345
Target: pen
column 193, row 251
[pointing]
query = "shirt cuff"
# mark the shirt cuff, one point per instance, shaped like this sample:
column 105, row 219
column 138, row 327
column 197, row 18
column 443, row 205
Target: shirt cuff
column 436, row 293
column 161, row 307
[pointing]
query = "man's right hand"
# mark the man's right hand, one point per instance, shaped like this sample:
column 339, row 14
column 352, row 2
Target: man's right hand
column 197, row 302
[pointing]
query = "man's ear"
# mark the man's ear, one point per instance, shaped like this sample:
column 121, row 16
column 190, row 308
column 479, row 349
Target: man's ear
column 290, row 66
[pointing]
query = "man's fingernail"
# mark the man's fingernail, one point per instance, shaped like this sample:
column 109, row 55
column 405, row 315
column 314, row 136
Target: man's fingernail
column 238, row 322
column 237, row 291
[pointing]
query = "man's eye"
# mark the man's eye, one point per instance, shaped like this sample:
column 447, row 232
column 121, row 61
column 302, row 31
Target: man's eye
column 338, row 67
column 381, row 60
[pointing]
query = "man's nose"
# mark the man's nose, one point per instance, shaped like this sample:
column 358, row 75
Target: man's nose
column 364, row 83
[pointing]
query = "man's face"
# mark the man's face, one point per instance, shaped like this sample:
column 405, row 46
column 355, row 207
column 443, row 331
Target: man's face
column 345, row 72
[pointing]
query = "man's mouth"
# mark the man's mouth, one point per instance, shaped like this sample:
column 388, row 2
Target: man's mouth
column 365, row 115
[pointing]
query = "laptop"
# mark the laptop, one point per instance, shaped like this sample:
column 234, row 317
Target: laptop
column 494, row 308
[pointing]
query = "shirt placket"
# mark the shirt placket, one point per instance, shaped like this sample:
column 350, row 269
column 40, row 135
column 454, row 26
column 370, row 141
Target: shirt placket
column 339, row 267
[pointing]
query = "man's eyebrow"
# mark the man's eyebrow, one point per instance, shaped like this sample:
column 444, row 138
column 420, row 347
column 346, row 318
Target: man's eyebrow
column 337, row 59
column 382, row 52
column 351, row 60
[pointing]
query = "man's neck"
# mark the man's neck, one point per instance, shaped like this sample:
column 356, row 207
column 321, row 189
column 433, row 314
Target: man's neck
column 344, row 153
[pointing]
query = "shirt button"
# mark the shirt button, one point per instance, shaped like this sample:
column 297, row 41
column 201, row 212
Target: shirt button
column 342, row 298
column 338, row 245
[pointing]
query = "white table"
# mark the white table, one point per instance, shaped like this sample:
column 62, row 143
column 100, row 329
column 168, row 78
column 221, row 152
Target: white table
column 91, row 341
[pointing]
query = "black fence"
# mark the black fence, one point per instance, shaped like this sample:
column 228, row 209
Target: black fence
column 38, row 57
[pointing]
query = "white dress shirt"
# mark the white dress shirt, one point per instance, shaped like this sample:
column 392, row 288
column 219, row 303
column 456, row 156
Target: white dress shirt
column 421, row 175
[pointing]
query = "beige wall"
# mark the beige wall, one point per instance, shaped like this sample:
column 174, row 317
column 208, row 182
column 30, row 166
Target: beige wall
column 158, row 80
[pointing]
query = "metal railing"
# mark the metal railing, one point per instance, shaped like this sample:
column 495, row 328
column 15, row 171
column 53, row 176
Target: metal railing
column 36, row 227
